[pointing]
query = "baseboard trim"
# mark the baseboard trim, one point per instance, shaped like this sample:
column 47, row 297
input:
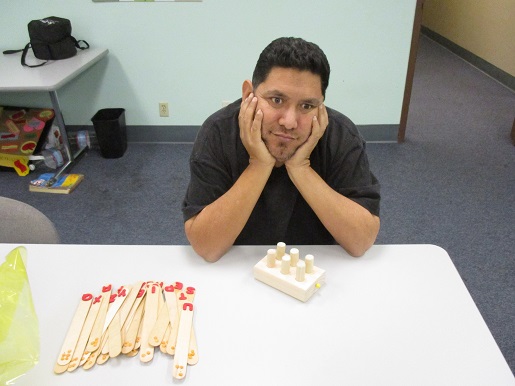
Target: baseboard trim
column 488, row 68
column 379, row 133
column 187, row 134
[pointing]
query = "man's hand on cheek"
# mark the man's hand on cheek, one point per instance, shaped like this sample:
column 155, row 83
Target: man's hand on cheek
column 250, row 122
column 318, row 126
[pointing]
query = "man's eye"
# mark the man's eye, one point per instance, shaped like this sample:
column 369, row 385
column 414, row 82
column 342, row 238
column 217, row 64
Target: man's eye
column 307, row 106
column 276, row 100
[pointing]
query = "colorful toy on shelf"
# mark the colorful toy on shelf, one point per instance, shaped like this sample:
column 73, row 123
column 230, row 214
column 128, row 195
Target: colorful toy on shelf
column 289, row 274
column 22, row 131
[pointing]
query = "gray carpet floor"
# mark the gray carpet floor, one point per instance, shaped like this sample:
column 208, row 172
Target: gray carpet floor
column 452, row 183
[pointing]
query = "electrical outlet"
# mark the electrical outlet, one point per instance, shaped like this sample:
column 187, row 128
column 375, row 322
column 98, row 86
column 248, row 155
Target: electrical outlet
column 163, row 109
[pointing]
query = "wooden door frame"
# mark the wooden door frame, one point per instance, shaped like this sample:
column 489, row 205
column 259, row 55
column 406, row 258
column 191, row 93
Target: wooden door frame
column 417, row 23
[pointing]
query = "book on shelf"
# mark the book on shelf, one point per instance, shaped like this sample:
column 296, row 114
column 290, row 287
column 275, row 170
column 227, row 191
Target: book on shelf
column 64, row 185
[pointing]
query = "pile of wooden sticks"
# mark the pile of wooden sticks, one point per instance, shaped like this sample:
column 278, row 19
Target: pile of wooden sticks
column 132, row 320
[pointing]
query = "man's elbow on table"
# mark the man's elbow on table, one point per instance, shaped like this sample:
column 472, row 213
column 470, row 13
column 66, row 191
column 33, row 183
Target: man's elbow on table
column 207, row 254
column 358, row 246
column 196, row 241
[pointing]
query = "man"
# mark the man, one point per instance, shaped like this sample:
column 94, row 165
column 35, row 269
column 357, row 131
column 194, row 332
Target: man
column 278, row 165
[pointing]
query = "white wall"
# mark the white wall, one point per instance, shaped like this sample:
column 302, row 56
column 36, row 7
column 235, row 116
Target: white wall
column 194, row 55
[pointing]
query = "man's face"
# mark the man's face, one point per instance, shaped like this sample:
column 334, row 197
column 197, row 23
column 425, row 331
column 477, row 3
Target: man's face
column 289, row 99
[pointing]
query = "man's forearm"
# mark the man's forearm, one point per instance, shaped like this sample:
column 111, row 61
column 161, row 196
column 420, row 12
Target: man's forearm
column 351, row 225
column 213, row 231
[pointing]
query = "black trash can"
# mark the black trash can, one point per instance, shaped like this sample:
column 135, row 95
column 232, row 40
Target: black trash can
column 111, row 132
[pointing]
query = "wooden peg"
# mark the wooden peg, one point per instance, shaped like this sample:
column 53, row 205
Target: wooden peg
column 294, row 255
column 285, row 265
column 284, row 279
column 300, row 272
column 270, row 258
column 281, row 249
column 310, row 263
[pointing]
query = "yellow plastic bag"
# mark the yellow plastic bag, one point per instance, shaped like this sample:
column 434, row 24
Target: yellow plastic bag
column 19, row 330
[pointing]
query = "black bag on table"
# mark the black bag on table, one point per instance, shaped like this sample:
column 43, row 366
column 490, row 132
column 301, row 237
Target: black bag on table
column 50, row 39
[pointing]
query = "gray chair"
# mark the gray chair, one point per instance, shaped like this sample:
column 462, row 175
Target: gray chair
column 21, row 223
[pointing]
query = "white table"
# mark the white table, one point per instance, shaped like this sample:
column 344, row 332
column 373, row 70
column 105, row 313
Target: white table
column 400, row 315
column 50, row 77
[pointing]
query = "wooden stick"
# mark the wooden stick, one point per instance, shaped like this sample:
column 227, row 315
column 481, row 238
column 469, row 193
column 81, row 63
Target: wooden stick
column 89, row 359
column 78, row 355
column 132, row 353
column 96, row 331
column 163, row 320
column 149, row 319
column 173, row 311
column 128, row 305
column 115, row 336
column 129, row 342
column 128, row 346
column 112, row 346
column 70, row 342
column 137, row 343
column 166, row 336
column 104, row 345
column 58, row 369
column 193, row 351
column 103, row 358
column 115, row 302
column 183, row 297
column 180, row 360
column 92, row 359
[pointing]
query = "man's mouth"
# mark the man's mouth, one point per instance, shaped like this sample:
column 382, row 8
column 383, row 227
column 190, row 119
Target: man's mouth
column 284, row 136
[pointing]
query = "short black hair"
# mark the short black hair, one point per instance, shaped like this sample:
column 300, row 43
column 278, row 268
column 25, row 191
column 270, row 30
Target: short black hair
column 290, row 52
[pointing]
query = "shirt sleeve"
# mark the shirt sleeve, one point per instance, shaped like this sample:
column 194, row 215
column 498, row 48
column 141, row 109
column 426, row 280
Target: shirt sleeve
column 213, row 166
column 345, row 166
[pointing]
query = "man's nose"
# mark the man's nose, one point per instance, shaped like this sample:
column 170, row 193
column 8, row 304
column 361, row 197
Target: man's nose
column 288, row 118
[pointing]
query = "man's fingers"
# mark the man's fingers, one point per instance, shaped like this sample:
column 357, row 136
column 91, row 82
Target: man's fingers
column 256, row 124
column 320, row 122
column 323, row 118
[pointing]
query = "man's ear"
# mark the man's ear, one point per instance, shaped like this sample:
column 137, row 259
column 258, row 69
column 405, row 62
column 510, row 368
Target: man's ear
column 246, row 89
